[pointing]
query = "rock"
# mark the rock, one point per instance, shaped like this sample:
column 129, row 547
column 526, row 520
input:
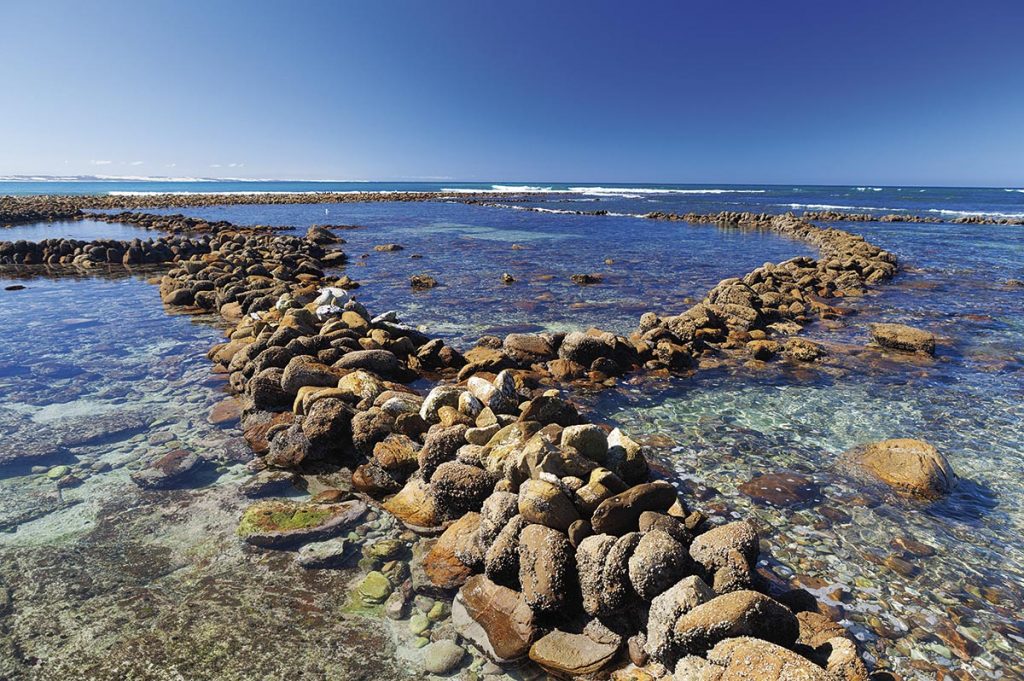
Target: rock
column 386, row 248
column 225, row 412
column 602, row 562
column 903, row 337
column 421, row 282
column 758, row 660
column 441, row 396
column 458, row 487
column 494, row 618
column 574, row 655
column 626, row 457
column 268, row 483
column 587, row 439
column 621, row 513
column 545, row 559
column 396, row 454
column 414, row 505
column 441, row 564
column 496, row 511
column 306, row 371
column 501, row 558
column 441, row 444
column 288, row 448
column 542, row 503
column 740, row 613
column 360, row 385
column 374, row 589
column 586, row 279
column 328, row 424
column 329, row 554
column 712, row 548
column 170, row 470
column 802, row 350
column 675, row 527
column 665, row 611
column 782, row 489
column 370, row 427
column 763, row 350
column 911, row 467
column 277, row 524
column 547, row 409
column 381, row 362
column 658, row 562
column 527, row 349
column 442, row 657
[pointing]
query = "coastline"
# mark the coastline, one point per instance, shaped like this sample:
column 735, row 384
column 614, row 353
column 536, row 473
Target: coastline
column 728, row 320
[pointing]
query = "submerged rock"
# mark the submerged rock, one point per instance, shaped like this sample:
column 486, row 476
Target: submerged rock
column 911, row 467
column 903, row 337
column 277, row 524
column 169, row 470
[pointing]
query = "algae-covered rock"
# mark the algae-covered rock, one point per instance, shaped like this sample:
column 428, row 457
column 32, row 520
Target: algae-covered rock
column 276, row 524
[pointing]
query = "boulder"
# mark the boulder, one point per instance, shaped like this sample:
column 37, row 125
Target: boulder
column 665, row 611
column 712, row 548
column 306, row 371
column 279, row 524
column 458, row 487
column 543, row 503
column 527, row 349
column 442, row 657
column 740, row 613
column 757, row 660
column 587, row 439
column 621, row 513
column 494, row 618
column 170, row 470
column 414, row 505
column 658, row 562
column 442, row 567
column 328, row 423
column 381, row 362
column 573, row 655
column 328, row 554
column 501, row 558
column 903, row 337
column 545, row 560
column 911, row 467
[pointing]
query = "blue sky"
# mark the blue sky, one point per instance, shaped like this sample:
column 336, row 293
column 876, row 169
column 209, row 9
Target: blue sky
column 882, row 92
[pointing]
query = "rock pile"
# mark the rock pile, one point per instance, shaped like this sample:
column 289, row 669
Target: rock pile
column 80, row 253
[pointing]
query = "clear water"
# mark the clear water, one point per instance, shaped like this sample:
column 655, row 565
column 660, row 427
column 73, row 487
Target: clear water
column 96, row 345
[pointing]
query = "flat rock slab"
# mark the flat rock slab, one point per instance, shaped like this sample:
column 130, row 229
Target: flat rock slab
column 283, row 524
column 782, row 489
column 903, row 337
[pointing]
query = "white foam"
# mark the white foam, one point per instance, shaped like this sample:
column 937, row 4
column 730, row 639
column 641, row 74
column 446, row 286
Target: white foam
column 971, row 213
column 828, row 206
column 868, row 189
column 640, row 192
column 1014, row 190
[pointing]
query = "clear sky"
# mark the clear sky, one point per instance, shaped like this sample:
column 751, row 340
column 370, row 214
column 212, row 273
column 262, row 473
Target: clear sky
column 742, row 91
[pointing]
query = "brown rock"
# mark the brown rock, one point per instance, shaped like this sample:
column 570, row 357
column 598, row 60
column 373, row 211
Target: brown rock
column 495, row 618
column 740, row 613
column 753, row 659
column 911, row 467
column 621, row 513
column 545, row 559
column 442, row 567
column 414, row 505
column 572, row 655
column 903, row 337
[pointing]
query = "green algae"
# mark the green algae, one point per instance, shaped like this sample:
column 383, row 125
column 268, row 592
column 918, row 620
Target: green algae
column 276, row 516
